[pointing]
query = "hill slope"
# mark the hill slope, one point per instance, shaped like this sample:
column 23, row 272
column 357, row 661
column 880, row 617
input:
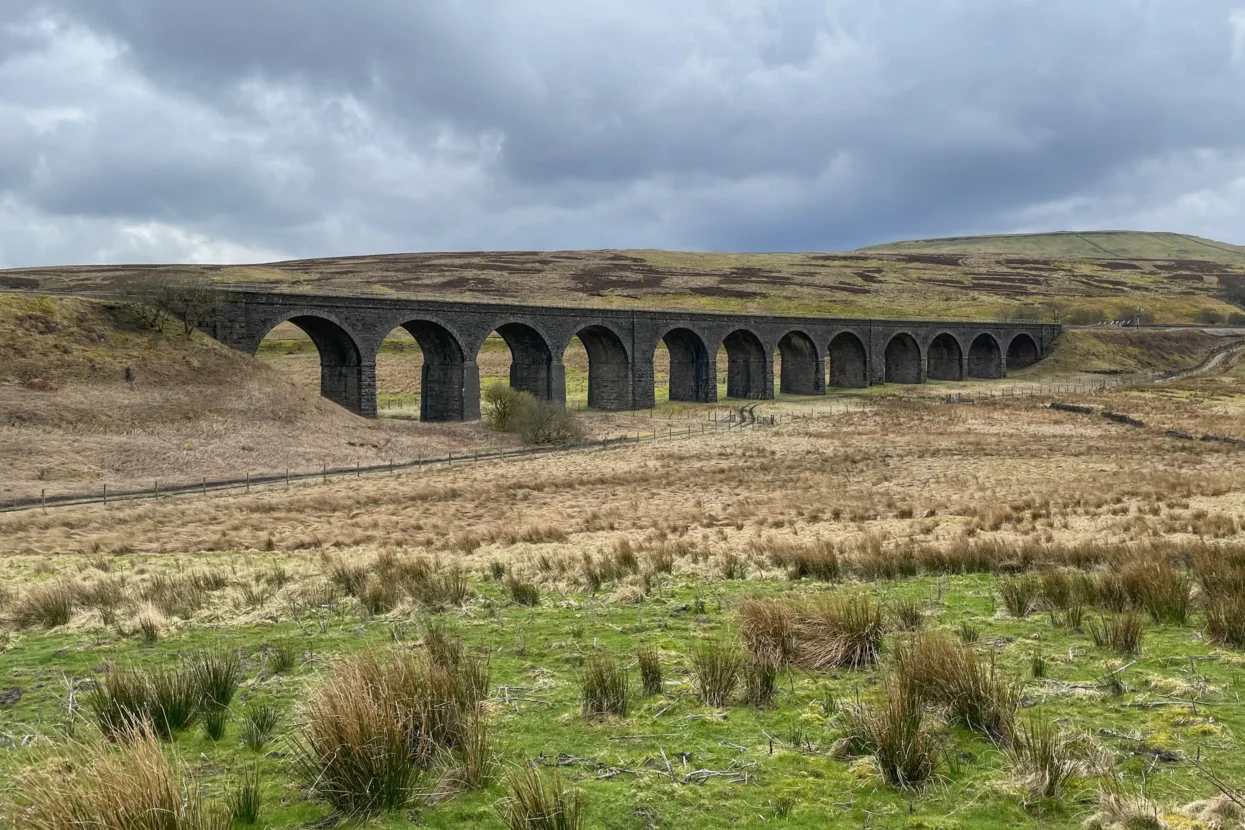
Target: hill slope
column 1093, row 244
column 964, row 284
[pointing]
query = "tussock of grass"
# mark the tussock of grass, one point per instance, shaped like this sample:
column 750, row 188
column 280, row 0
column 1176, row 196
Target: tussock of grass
column 214, row 723
column 1019, row 594
column 1154, row 586
column 1043, row 759
column 245, row 798
column 815, row 634
column 216, row 676
column 1122, row 633
column 522, row 593
column 375, row 725
column 259, row 721
column 126, row 702
column 1225, row 620
column 48, row 605
column 760, row 680
column 716, row 665
column 541, row 802
column 135, row 788
column 970, row 690
column 605, row 688
column 649, row 660
column 895, row 730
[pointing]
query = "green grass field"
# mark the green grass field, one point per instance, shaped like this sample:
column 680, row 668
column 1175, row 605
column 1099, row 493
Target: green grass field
column 671, row 761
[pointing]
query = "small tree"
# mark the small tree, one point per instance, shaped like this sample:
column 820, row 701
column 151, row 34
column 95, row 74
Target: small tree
column 500, row 404
column 155, row 300
column 546, row 424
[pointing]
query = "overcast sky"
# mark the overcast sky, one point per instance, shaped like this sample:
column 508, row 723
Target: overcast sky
column 237, row 130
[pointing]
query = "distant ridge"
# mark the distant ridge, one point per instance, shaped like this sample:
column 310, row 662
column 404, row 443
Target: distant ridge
column 1095, row 244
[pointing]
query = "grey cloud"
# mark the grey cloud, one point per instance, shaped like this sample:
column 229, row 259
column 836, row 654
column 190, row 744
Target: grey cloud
column 320, row 127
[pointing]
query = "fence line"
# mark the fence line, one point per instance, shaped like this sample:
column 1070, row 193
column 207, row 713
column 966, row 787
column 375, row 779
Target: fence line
column 204, row 486
column 716, row 419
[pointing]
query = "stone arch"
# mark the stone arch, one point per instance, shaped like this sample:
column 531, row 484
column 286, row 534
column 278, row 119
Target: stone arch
column 985, row 358
column 343, row 379
column 944, row 358
column 802, row 370
column 849, row 362
column 1022, row 352
column 609, row 368
column 903, row 359
column 531, row 361
column 745, row 366
column 691, row 372
column 443, row 380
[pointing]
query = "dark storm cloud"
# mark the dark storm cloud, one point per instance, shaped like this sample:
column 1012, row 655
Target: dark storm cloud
column 324, row 127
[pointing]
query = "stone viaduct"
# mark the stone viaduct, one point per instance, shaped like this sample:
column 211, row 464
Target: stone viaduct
column 620, row 343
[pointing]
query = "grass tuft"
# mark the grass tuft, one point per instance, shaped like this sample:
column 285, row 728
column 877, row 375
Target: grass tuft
column 245, row 799
column 1121, row 633
column 135, row 789
column 259, row 721
column 716, row 665
column 605, row 688
column 649, row 660
column 895, row 731
column 540, row 802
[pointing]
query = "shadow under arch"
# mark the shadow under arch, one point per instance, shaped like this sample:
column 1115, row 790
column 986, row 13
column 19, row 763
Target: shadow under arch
column 692, row 376
column 1022, row 352
column 944, row 358
column 745, row 366
column 443, row 379
column 803, row 372
column 849, row 362
column 985, row 358
column 903, row 359
column 609, row 369
column 531, row 361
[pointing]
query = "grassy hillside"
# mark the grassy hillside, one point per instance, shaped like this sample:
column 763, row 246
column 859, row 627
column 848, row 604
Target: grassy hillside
column 968, row 284
column 1096, row 244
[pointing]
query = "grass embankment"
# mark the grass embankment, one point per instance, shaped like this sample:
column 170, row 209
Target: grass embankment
column 71, row 421
column 1044, row 281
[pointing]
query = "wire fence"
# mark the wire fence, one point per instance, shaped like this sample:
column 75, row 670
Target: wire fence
column 696, row 421
column 718, row 421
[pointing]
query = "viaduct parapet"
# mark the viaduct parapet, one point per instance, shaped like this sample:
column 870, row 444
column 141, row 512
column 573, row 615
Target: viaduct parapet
column 348, row 332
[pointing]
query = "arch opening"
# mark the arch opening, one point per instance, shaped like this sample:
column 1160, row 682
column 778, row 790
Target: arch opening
column 945, row 359
column 421, row 365
column 1022, row 352
column 848, row 362
column 903, row 360
column 298, row 344
column 691, row 377
column 745, row 366
column 530, row 366
column 985, row 358
column 801, row 371
column 609, row 368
